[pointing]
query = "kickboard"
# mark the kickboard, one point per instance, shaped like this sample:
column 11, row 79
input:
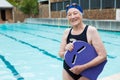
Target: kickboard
column 81, row 54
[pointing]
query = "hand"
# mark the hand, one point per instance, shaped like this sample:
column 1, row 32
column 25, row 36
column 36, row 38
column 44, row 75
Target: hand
column 69, row 46
column 77, row 69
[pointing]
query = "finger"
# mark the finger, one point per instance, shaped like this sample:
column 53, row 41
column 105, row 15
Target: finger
column 71, row 69
column 71, row 47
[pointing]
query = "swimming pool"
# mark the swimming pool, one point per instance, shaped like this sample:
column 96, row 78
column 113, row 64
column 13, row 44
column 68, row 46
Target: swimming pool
column 30, row 52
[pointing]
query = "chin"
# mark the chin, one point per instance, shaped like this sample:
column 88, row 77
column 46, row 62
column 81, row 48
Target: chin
column 74, row 24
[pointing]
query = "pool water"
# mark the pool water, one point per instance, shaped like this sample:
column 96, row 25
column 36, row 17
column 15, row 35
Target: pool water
column 30, row 52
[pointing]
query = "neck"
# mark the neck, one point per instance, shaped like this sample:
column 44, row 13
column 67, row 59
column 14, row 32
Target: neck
column 79, row 27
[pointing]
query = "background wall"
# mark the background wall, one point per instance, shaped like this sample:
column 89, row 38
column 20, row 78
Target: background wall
column 111, row 25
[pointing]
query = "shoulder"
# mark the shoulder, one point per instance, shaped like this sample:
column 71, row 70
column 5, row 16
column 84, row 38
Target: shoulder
column 92, row 29
column 65, row 34
column 92, row 34
column 67, row 31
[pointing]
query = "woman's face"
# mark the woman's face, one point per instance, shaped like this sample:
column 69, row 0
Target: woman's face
column 74, row 17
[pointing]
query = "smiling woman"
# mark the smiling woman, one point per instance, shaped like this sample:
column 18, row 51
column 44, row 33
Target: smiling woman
column 83, row 32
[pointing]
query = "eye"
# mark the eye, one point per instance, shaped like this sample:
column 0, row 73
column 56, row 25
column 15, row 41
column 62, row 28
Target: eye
column 75, row 13
column 69, row 14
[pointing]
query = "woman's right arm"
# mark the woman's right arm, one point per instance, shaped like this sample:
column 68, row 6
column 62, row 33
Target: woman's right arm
column 63, row 43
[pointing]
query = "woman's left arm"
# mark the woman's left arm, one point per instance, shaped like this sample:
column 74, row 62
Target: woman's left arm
column 97, row 43
column 99, row 47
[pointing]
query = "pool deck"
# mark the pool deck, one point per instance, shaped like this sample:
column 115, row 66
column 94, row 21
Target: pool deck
column 113, row 77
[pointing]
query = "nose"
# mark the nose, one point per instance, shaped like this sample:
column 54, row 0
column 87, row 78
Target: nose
column 72, row 16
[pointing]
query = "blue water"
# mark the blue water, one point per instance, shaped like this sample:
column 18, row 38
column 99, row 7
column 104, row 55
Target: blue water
column 30, row 52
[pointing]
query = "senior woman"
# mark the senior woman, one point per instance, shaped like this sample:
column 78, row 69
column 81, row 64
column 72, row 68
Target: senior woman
column 83, row 32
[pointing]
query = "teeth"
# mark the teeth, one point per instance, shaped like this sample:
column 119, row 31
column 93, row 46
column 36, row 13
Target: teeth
column 74, row 20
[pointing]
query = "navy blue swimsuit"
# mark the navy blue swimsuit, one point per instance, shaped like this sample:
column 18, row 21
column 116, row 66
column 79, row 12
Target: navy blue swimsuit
column 70, row 38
